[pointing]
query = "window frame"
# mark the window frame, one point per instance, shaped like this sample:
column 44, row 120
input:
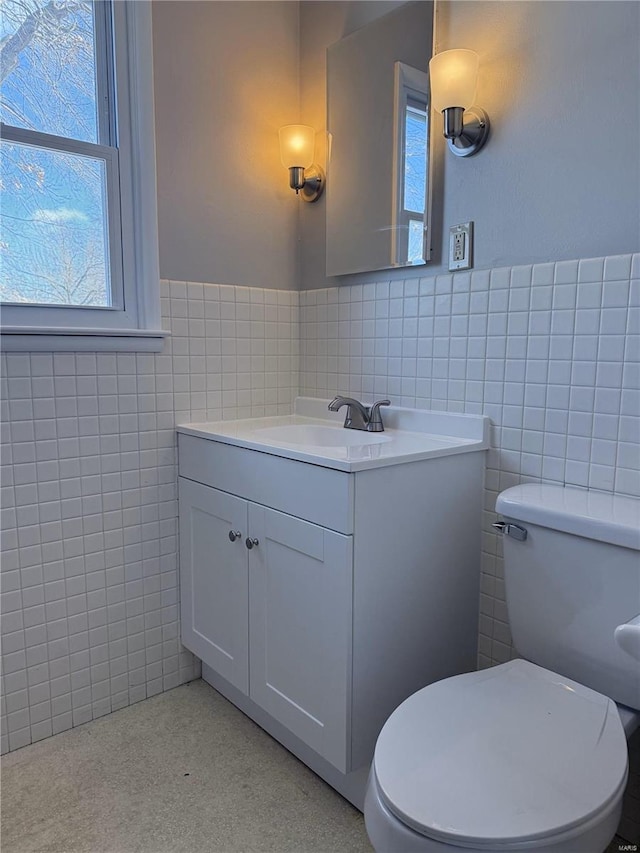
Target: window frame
column 411, row 88
column 406, row 214
column 126, row 79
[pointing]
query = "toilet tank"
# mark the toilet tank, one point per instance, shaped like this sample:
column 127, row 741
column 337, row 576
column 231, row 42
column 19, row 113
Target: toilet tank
column 573, row 584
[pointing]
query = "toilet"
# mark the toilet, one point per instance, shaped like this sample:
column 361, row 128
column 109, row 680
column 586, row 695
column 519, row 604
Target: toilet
column 530, row 755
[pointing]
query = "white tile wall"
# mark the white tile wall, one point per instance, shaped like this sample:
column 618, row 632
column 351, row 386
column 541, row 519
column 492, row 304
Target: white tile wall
column 89, row 516
column 551, row 353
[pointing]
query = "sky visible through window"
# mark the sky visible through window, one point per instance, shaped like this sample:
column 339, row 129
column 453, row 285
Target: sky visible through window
column 53, row 235
column 415, row 169
column 415, row 179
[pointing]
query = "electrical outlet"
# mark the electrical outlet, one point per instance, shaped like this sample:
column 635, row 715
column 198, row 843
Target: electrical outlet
column 461, row 246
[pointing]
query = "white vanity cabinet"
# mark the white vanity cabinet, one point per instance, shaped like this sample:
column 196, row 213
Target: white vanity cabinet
column 274, row 620
column 361, row 584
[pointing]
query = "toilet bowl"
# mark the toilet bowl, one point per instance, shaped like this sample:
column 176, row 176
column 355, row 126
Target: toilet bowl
column 511, row 758
column 521, row 757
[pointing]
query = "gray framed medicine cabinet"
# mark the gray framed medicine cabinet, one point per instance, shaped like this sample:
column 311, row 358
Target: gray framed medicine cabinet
column 379, row 170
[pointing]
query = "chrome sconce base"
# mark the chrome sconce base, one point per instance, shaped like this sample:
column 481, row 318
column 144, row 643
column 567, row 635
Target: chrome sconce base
column 466, row 132
column 308, row 183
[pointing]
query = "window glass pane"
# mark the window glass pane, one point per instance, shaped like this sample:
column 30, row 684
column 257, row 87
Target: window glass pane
column 48, row 67
column 53, row 228
column 415, row 253
column 415, row 159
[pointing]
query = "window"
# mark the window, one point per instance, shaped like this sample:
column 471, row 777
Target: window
column 415, row 178
column 78, row 229
column 411, row 165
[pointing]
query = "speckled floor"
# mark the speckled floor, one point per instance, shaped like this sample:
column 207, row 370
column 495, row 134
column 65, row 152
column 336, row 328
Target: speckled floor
column 183, row 771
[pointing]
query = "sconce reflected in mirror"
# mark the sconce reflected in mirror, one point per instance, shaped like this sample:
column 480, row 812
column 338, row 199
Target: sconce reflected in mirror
column 297, row 142
column 454, row 79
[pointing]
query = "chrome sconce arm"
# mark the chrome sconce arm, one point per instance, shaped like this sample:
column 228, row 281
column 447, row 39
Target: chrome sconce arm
column 466, row 131
column 308, row 183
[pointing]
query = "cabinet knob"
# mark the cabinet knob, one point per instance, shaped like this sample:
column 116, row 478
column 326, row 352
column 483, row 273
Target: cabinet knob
column 250, row 543
column 235, row 534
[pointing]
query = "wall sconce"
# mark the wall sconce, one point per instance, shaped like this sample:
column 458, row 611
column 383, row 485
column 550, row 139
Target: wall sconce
column 296, row 152
column 454, row 77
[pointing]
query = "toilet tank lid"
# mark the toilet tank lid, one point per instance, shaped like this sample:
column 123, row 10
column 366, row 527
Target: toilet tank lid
column 594, row 515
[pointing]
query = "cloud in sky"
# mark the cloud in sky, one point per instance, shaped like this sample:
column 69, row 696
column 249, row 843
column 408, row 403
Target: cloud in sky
column 60, row 215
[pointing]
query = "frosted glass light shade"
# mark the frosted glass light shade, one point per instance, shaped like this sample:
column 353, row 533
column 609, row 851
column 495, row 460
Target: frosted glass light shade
column 454, row 78
column 296, row 145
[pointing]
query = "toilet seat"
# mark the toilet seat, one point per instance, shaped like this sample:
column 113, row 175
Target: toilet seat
column 494, row 758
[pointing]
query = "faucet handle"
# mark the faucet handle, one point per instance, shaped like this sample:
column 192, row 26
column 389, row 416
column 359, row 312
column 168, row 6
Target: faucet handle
column 375, row 418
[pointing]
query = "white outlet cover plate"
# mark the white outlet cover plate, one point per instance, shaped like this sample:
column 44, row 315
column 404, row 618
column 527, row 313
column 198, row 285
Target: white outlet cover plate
column 465, row 229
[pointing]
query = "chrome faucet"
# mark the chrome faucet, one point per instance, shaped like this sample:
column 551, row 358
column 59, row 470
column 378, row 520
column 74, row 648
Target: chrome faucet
column 359, row 416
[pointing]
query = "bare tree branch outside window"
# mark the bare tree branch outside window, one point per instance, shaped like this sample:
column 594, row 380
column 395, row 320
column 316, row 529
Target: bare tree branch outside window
column 53, row 234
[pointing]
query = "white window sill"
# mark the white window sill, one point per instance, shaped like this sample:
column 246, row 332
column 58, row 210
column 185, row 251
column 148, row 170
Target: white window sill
column 59, row 339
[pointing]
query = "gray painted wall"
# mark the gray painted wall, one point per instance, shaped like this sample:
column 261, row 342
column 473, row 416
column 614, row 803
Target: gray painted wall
column 226, row 78
column 559, row 177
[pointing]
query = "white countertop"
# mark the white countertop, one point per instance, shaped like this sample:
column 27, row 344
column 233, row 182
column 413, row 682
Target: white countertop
column 409, row 435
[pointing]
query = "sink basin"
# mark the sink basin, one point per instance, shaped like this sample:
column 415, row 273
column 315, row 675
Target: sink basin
column 317, row 435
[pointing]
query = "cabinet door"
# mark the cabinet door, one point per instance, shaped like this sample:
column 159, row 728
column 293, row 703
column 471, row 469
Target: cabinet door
column 300, row 582
column 214, row 580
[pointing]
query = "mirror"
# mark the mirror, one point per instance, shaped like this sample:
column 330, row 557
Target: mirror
column 378, row 183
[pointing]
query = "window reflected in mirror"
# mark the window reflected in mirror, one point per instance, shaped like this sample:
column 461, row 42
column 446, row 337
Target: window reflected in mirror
column 411, row 153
